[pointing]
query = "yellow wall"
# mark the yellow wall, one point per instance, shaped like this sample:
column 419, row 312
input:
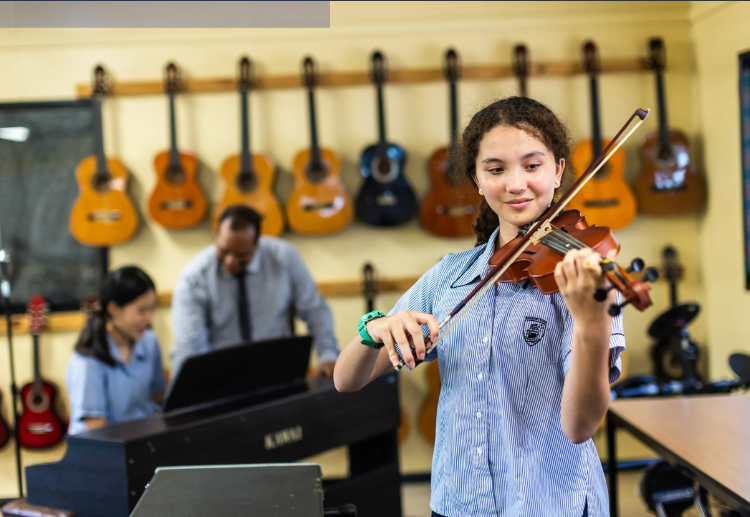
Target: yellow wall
column 46, row 64
column 721, row 31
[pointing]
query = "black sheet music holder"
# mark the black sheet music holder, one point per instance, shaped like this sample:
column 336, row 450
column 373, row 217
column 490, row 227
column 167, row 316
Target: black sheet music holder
column 239, row 370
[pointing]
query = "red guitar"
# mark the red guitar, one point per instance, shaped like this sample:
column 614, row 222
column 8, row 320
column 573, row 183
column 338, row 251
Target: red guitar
column 39, row 426
column 4, row 431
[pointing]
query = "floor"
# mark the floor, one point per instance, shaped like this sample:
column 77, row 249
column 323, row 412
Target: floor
column 416, row 499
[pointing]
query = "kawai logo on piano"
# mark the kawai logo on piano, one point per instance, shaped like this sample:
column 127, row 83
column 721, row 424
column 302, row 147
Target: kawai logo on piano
column 283, row 437
column 533, row 330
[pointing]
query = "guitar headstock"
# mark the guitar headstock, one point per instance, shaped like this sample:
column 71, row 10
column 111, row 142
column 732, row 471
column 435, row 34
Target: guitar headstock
column 100, row 86
column 671, row 267
column 246, row 74
column 591, row 63
column 657, row 54
column 90, row 305
column 521, row 61
column 309, row 73
column 451, row 65
column 378, row 68
column 36, row 310
column 172, row 78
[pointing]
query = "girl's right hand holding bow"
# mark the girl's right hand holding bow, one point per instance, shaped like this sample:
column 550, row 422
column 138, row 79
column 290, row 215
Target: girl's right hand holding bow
column 403, row 328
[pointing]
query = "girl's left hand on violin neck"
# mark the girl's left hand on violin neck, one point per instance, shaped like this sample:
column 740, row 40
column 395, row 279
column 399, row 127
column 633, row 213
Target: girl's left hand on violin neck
column 577, row 276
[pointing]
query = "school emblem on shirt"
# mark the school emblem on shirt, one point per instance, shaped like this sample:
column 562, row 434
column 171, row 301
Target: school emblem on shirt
column 533, row 330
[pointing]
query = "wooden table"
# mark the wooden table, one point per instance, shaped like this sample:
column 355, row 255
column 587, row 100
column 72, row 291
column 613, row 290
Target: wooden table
column 708, row 435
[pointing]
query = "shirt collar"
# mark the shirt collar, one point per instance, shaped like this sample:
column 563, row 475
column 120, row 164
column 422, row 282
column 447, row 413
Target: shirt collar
column 479, row 263
column 139, row 353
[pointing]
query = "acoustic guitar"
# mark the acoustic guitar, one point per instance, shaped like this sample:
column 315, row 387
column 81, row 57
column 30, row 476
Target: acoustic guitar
column 102, row 215
column 452, row 204
column 607, row 199
column 319, row 203
column 177, row 200
column 385, row 197
column 370, row 290
column 668, row 182
column 39, row 426
column 247, row 177
column 521, row 67
column 4, row 428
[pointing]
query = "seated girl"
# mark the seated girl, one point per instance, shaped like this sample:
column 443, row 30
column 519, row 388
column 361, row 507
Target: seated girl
column 115, row 373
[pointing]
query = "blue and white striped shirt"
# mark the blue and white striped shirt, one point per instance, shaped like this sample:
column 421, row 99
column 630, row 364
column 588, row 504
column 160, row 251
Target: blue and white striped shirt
column 499, row 447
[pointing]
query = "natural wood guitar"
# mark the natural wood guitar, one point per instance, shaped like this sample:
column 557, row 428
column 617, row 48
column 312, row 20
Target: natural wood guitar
column 668, row 183
column 247, row 177
column 607, row 199
column 102, row 215
column 177, row 200
column 319, row 204
column 451, row 205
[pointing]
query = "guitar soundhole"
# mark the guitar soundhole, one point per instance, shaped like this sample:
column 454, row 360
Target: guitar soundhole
column 384, row 170
column 100, row 182
column 247, row 181
column 175, row 175
column 37, row 400
column 316, row 172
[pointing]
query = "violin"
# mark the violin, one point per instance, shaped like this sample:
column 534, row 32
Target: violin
column 543, row 243
column 571, row 231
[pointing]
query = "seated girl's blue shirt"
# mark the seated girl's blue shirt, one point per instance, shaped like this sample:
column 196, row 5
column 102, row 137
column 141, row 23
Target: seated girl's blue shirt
column 499, row 445
column 117, row 393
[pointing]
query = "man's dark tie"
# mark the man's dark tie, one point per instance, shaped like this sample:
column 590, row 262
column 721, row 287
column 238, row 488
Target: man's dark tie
column 244, row 308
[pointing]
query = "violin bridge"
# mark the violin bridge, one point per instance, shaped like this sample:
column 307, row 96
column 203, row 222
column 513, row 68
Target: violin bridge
column 538, row 235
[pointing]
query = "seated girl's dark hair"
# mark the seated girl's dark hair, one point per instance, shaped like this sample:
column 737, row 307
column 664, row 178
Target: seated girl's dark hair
column 121, row 286
column 522, row 113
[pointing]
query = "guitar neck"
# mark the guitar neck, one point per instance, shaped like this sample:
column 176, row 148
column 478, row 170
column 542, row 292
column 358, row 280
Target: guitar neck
column 174, row 155
column 314, row 148
column 246, row 162
column 596, row 131
column 661, row 99
column 522, row 86
column 381, row 116
column 454, row 112
column 37, row 370
column 101, row 159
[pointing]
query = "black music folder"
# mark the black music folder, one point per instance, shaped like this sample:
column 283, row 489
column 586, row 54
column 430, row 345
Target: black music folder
column 273, row 490
column 239, row 370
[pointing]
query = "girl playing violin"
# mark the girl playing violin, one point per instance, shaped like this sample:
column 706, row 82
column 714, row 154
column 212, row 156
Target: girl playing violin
column 525, row 376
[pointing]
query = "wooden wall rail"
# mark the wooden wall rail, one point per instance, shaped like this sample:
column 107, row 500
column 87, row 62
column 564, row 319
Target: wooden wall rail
column 404, row 76
column 73, row 321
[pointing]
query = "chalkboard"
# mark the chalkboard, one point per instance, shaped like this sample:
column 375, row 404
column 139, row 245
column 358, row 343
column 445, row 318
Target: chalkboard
column 37, row 192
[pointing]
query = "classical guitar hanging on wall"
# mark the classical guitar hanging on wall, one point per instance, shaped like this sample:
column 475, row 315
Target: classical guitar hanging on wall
column 102, row 215
column 177, row 200
column 607, row 199
column 319, row 203
column 385, row 197
column 39, row 426
column 668, row 182
column 247, row 177
column 452, row 204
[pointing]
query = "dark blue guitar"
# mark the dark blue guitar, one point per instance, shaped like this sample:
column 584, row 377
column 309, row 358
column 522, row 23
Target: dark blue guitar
column 386, row 198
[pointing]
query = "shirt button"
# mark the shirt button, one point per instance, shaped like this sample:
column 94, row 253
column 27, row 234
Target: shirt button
column 479, row 376
column 479, row 450
column 479, row 415
column 484, row 340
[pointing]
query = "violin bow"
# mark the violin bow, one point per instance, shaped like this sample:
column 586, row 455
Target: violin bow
column 541, row 228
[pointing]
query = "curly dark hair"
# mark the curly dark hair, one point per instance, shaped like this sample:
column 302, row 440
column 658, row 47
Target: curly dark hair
column 525, row 114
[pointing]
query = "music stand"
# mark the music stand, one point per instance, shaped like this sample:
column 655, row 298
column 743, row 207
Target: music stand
column 237, row 370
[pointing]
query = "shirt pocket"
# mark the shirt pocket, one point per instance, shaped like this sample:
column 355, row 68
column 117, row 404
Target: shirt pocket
column 532, row 328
